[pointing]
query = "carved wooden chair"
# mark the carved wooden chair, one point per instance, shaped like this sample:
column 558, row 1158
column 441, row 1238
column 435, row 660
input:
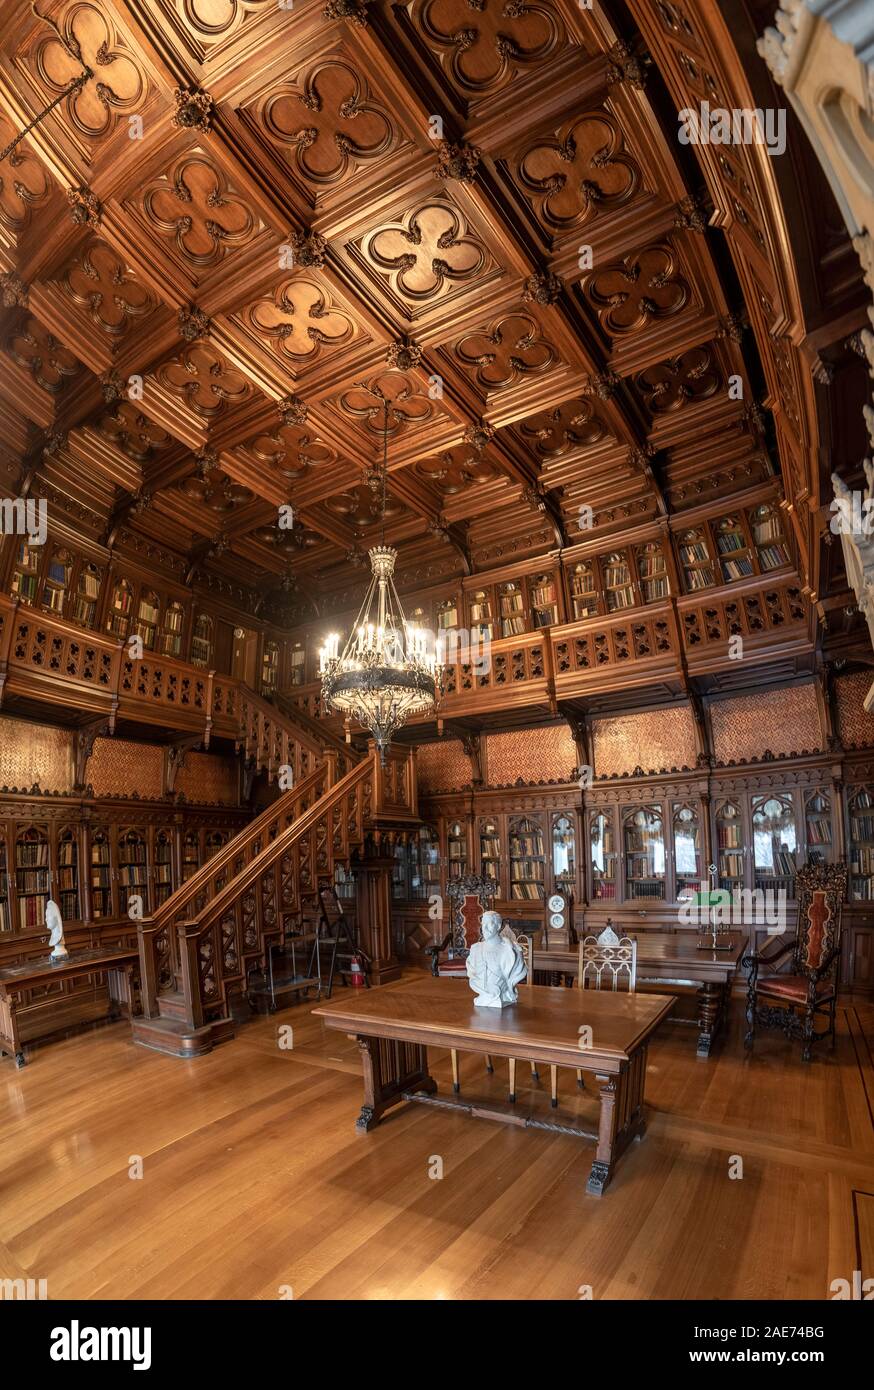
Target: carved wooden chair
column 793, row 1001
column 606, row 961
column 469, row 896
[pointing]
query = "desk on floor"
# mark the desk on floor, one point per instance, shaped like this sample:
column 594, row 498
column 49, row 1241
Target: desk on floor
column 117, row 963
column 395, row 1026
column 669, row 959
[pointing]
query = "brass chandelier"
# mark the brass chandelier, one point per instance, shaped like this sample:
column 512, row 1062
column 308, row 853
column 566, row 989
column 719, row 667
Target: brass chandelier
column 388, row 670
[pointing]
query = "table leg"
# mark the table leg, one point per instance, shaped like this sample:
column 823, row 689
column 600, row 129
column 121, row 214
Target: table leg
column 621, row 1119
column 709, row 1016
column 390, row 1068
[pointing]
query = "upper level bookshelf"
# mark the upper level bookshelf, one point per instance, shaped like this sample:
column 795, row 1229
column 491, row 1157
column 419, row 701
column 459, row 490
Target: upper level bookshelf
column 202, row 640
column 733, row 546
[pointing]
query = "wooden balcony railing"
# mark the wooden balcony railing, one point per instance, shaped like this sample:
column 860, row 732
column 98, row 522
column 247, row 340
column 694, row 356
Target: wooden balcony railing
column 45, row 658
column 622, row 651
column 218, row 944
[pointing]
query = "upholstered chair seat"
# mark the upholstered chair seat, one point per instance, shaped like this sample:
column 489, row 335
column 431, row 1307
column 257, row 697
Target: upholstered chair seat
column 794, row 987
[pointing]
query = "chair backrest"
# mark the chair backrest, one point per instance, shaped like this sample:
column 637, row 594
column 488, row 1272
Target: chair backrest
column 608, row 961
column 820, row 890
column 468, row 897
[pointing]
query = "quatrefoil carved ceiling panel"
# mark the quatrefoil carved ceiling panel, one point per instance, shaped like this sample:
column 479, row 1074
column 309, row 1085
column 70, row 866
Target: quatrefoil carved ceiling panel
column 204, row 380
column 300, row 320
column 482, row 44
column 193, row 207
column 642, row 288
column 101, row 284
column 33, row 347
column 83, row 37
column 457, row 470
column 133, row 432
column 216, row 492
column 327, row 123
column 680, row 381
column 572, row 425
column 506, row 351
column 409, row 405
column 362, row 508
column 292, row 450
column 581, row 171
column 427, row 253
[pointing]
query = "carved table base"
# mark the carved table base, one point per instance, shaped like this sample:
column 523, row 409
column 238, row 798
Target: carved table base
column 398, row 1071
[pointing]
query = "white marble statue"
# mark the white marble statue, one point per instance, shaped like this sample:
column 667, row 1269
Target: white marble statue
column 494, row 966
column 55, row 924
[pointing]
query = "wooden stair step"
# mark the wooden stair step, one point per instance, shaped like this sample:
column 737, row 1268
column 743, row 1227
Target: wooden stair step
column 172, row 1004
column 177, row 1039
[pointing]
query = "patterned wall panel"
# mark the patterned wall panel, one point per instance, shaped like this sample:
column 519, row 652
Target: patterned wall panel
column 35, row 753
column 205, row 777
column 117, row 768
column 654, row 740
column 776, row 721
column 442, row 767
column 855, row 726
column 531, row 755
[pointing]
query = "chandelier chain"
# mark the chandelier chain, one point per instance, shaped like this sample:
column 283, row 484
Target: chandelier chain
column 71, row 87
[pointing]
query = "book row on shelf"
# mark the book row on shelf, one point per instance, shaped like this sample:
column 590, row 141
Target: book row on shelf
column 41, row 862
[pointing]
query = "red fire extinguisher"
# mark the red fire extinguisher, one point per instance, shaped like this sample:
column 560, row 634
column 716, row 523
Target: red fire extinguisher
column 356, row 973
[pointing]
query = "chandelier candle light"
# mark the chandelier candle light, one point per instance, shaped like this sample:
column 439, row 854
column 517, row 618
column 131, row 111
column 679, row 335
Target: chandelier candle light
column 389, row 669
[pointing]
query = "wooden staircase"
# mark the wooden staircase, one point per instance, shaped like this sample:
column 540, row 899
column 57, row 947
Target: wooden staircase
column 197, row 952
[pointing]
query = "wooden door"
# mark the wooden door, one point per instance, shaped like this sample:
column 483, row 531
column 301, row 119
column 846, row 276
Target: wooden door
column 244, row 656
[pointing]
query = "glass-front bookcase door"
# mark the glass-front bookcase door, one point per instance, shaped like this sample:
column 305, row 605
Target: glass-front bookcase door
column 687, row 849
column 527, row 859
column 775, row 842
column 730, row 847
column 133, row 869
column 644, row 845
column 818, row 827
column 428, row 882
column 860, row 805
column 456, row 850
column 101, row 875
column 490, row 852
column 564, row 855
column 602, row 855
column 67, row 887
column 5, row 916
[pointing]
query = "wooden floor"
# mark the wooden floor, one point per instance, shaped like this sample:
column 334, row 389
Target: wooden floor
column 254, row 1180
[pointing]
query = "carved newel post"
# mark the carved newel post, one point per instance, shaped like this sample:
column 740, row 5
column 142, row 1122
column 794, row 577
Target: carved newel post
column 373, row 899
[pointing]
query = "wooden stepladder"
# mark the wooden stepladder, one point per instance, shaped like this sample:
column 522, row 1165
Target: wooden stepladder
column 335, row 934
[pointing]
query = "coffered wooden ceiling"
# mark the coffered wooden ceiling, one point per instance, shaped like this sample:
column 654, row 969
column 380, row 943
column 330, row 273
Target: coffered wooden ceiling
column 291, row 243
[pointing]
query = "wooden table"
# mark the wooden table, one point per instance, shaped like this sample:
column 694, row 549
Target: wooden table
column 669, row 959
column 117, row 963
column 395, row 1026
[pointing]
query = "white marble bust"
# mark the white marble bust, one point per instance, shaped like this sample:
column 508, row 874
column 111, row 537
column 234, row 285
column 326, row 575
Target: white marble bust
column 494, row 966
column 55, row 924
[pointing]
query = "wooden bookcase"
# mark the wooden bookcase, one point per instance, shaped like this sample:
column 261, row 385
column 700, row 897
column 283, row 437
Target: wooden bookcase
column 91, row 854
